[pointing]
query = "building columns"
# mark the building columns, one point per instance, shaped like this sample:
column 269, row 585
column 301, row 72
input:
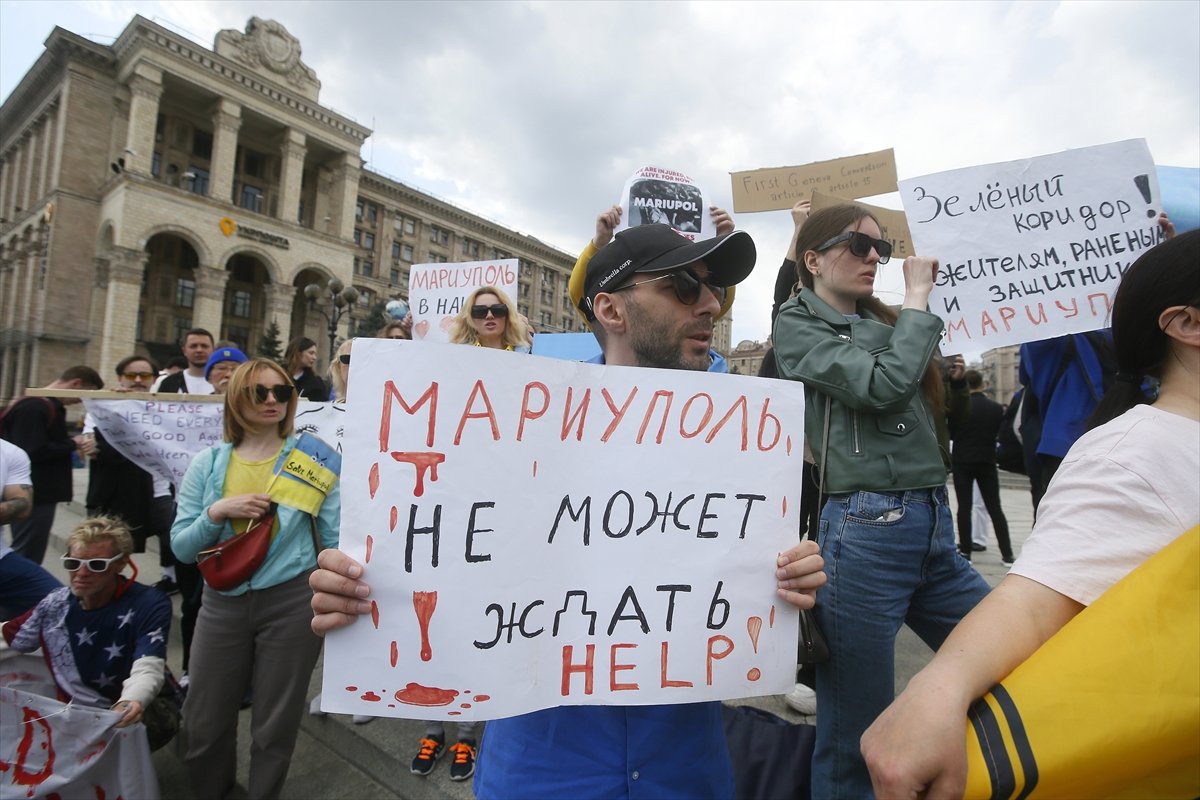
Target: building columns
column 125, row 270
column 292, row 152
column 145, row 89
column 346, row 172
column 227, row 121
column 210, row 299
column 280, row 301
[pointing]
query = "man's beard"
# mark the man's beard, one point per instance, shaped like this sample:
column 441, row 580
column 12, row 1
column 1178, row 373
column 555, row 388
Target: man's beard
column 656, row 345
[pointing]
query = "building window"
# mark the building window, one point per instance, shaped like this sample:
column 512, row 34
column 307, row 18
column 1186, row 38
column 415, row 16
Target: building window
column 470, row 248
column 372, row 213
column 185, row 293
column 358, row 237
column 368, row 241
column 238, row 335
column 251, row 199
column 434, row 258
column 439, row 236
column 410, row 227
column 254, row 163
column 202, row 142
column 198, row 183
column 358, row 210
column 239, row 304
column 395, row 249
column 407, row 252
column 368, row 267
column 546, row 319
column 395, row 276
column 182, row 326
column 365, row 298
column 156, row 164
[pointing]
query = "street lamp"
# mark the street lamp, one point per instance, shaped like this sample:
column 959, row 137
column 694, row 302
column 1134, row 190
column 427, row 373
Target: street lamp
column 343, row 298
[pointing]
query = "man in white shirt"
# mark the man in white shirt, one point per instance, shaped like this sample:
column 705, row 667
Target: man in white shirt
column 197, row 347
column 22, row 583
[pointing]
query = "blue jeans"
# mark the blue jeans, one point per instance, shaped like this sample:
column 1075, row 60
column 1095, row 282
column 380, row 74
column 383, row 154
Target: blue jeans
column 891, row 560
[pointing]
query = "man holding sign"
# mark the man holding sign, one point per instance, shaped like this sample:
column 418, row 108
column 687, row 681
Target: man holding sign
column 654, row 295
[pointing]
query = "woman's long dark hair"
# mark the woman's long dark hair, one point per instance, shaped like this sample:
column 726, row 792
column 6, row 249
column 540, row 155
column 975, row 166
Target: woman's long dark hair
column 827, row 223
column 291, row 356
column 1164, row 276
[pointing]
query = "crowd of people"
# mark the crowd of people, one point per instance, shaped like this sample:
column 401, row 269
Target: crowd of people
column 888, row 422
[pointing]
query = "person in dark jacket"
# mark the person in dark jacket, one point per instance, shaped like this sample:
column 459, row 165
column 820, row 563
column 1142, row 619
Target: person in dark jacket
column 300, row 361
column 974, row 460
column 38, row 425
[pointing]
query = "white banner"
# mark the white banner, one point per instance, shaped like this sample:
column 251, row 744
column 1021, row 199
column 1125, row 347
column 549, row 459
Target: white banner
column 49, row 749
column 162, row 436
column 540, row 532
column 1035, row 248
column 436, row 292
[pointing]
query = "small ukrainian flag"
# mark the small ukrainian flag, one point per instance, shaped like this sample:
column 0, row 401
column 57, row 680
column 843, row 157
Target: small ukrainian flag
column 306, row 475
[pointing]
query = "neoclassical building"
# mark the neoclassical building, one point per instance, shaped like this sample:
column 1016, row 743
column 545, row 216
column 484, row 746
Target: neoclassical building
column 154, row 185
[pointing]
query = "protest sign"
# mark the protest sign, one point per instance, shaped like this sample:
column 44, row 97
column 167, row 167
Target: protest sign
column 654, row 195
column 539, row 532
column 163, row 435
column 777, row 188
column 53, row 749
column 436, row 292
column 1035, row 248
column 892, row 223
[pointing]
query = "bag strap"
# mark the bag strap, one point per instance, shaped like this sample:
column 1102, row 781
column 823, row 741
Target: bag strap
column 317, row 546
column 824, row 458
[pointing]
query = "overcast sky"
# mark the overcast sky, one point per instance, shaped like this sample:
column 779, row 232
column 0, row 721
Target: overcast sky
column 534, row 114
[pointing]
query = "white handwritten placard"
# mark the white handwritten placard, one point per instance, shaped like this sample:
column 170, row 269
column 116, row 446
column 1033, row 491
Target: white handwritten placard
column 1035, row 248
column 539, row 532
column 437, row 292
column 163, row 436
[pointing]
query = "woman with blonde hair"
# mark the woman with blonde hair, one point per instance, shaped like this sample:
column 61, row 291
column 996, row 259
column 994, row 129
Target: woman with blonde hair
column 339, row 371
column 255, row 636
column 489, row 318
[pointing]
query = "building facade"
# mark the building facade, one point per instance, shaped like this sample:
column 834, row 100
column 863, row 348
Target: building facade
column 1001, row 371
column 154, row 185
column 747, row 357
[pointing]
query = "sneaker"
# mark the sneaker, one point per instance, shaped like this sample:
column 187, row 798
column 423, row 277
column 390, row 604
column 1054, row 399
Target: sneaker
column 1007, row 561
column 362, row 719
column 463, row 765
column 978, row 548
column 167, row 586
column 802, row 699
column 431, row 750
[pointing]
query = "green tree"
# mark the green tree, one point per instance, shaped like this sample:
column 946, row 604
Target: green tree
column 269, row 345
column 375, row 318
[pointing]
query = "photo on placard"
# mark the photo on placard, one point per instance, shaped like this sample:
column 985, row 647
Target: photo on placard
column 667, row 202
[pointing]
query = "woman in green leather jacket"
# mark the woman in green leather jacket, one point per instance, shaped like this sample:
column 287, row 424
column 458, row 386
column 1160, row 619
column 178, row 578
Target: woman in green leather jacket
column 872, row 398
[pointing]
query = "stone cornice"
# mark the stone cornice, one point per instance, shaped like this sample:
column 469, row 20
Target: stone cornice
column 143, row 31
column 374, row 182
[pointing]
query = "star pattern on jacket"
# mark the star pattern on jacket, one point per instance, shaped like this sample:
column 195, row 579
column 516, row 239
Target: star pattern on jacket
column 124, row 619
column 85, row 636
column 113, row 650
column 156, row 635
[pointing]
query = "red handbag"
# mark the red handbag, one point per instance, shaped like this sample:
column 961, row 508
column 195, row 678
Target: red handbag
column 234, row 561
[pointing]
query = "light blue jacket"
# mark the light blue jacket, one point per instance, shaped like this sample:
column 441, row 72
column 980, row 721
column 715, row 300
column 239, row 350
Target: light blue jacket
column 291, row 553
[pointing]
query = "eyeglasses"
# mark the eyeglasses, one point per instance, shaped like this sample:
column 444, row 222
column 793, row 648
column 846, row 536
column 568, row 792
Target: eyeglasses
column 70, row 563
column 137, row 376
column 687, row 286
column 498, row 310
column 860, row 245
column 344, row 358
column 283, row 392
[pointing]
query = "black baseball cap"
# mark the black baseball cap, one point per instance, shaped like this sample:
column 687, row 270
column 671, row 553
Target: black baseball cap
column 658, row 248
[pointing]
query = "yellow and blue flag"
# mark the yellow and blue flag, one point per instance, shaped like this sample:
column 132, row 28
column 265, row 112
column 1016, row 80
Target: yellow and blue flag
column 305, row 475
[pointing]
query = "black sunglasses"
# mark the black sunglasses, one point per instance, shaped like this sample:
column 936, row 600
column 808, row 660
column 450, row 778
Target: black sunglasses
column 344, row 358
column 97, row 565
column 283, row 392
column 686, row 284
column 481, row 312
column 860, row 245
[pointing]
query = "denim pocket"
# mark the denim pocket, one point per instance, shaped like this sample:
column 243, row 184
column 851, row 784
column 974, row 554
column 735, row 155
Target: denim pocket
column 875, row 508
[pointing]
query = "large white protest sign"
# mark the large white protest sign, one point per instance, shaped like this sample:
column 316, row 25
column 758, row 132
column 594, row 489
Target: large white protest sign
column 1035, row 248
column 51, row 749
column 437, row 292
column 654, row 195
column 163, row 436
column 539, row 532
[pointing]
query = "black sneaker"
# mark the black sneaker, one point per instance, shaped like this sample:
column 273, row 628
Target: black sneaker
column 1006, row 561
column 463, row 765
column 167, row 586
column 431, row 750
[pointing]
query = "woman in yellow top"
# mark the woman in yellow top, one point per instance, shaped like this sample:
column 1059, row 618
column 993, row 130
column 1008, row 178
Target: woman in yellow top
column 255, row 636
column 489, row 318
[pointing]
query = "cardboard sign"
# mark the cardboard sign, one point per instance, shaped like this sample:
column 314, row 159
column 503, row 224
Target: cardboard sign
column 436, row 292
column 893, row 223
column 778, row 188
column 1035, row 248
column 654, row 195
column 539, row 532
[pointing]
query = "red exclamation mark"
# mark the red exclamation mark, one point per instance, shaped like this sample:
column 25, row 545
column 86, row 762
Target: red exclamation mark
column 424, row 604
column 754, row 627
